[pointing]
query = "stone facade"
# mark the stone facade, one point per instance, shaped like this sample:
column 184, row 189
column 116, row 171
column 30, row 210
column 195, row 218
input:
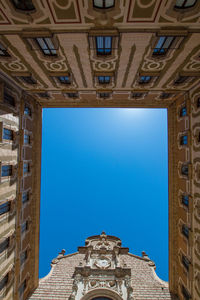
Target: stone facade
column 103, row 268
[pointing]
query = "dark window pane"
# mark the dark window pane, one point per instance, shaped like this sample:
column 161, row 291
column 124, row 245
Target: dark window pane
column 3, row 282
column 137, row 95
column 180, row 79
column 183, row 111
column 145, row 79
column 72, row 95
column 25, row 197
column 104, row 45
column 26, row 168
column 163, row 44
column 185, row 262
column 23, row 257
column 184, row 140
column 185, row 3
column 24, row 227
column 198, row 102
column 104, row 95
column 185, row 231
column 185, row 200
column 27, row 110
column 185, row 293
column 3, row 51
column 104, row 79
column 46, row 45
column 6, row 170
column 9, row 99
column 22, row 288
column 28, row 79
column 4, row 245
column 184, row 170
column 165, row 95
column 43, row 95
column 7, row 134
column 23, row 4
column 64, row 79
column 4, row 208
column 103, row 3
column 26, row 139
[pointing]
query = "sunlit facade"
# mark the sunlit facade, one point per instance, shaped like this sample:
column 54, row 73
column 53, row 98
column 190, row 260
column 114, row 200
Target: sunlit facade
column 97, row 54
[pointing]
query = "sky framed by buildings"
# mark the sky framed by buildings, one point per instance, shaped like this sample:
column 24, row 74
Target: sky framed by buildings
column 106, row 170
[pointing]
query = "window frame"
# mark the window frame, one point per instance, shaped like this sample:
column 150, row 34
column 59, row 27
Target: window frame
column 52, row 51
column 184, row 140
column 26, row 168
column 162, row 48
column 104, row 5
column 104, row 79
column 104, row 49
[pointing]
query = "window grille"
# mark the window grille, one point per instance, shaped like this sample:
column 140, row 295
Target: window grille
column 163, row 45
column 7, row 134
column 4, row 208
column 26, row 5
column 104, row 45
column 6, row 170
column 46, row 46
column 103, row 3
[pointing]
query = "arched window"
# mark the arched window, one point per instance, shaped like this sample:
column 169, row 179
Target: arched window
column 26, row 5
column 185, row 3
column 103, row 3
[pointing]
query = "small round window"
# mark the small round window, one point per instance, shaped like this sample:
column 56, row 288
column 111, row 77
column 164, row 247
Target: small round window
column 103, row 3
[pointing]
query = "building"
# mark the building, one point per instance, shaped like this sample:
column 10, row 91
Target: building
column 89, row 53
column 103, row 268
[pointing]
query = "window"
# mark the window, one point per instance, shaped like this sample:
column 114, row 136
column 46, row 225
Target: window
column 23, row 257
column 104, row 79
column 4, row 245
column 43, row 95
column 72, row 95
column 46, row 45
column 22, row 287
column 26, row 168
column 64, row 79
column 144, row 79
column 6, row 170
column 26, row 139
column 104, row 95
column 185, row 3
column 103, row 3
column 184, row 140
column 101, row 298
column 28, row 79
column 180, row 79
column 3, row 51
column 9, row 99
column 184, row 170
column 165, row 95
column 198, row 102
column 185, row 231
column 24, row 227
column 3, row 282
column 7, row 134
column 137, row 95
column 25, row 197
column 4, row 208
column 27, row 110
column 185, row 262
column 26, row 5
column 163, row 45
column 183, row 111
column 185, row 200
column 104, row 45
column 185, row 293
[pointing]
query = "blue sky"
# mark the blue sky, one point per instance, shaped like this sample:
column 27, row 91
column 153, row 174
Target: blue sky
column 106, row 170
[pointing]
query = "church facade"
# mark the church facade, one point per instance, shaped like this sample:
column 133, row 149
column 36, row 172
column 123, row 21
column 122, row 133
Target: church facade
column 97, row 53
column 102, row 269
